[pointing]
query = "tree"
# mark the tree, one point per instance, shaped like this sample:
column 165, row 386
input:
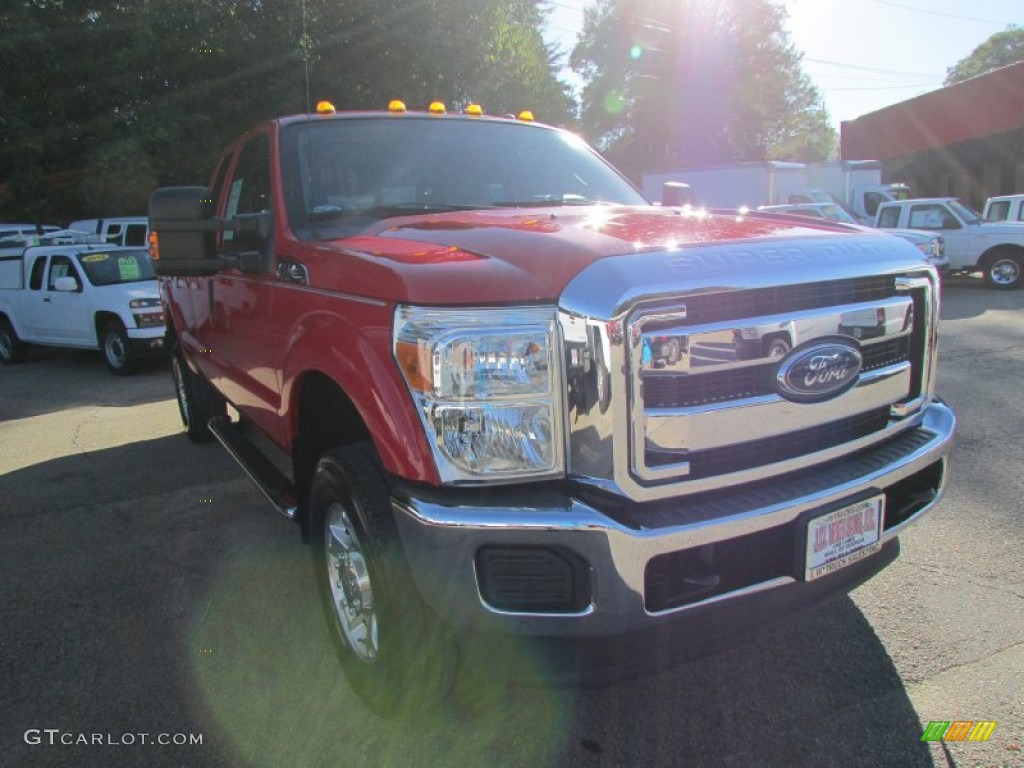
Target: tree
column 1001, row 49
column 685, row 82
column 103, row 99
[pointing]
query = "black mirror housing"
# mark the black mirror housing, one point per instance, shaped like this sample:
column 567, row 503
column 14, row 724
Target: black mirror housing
column 676, row 193
column 182, row 227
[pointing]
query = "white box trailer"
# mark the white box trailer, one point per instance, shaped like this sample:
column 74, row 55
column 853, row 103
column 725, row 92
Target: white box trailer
column 770, row 182
column 854, row 184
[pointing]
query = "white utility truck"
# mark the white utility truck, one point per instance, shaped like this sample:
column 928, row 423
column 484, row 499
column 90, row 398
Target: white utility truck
column 854, row 184
column 84, row 295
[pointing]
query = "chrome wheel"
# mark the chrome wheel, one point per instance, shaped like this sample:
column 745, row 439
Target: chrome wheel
column 351, row 587
column 114, row 349
column 396, row 654
column 1004, row 272
column 116, row 352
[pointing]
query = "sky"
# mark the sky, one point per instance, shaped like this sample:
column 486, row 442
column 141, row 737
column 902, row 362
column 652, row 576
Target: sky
column 862, row 54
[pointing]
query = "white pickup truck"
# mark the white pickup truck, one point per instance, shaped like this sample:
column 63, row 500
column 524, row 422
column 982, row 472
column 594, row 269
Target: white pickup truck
column 1009, row 208
column 89, row 296
column 972, row 244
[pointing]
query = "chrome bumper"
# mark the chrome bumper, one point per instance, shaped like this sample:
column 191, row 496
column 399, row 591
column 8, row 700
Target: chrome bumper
column 442, row 534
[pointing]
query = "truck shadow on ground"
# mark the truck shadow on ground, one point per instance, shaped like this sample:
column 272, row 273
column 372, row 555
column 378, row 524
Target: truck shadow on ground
column 960, row 292
column 52, row 380
column 172, row 601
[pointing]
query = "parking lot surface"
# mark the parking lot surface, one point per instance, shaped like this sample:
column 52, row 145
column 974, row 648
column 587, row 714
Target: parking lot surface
column 156, row 612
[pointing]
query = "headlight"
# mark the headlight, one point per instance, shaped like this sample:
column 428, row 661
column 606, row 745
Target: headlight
column 487, row 388
column 143, row 303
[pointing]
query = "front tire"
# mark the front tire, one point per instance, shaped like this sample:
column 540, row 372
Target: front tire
column 776, row 348
column 198, row 401
column 12, row 349
column 1004, row 270
column 117, row 351
column 397, row 655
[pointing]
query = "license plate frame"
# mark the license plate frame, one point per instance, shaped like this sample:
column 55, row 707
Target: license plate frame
column 843, row 536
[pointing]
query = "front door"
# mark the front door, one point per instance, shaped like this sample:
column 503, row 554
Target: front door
column 240, row 302
column 58, row 317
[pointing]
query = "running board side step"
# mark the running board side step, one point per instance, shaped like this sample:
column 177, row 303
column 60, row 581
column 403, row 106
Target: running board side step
column 278, row 489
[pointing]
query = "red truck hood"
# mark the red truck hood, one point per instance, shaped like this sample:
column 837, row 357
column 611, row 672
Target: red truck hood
column 529, row 254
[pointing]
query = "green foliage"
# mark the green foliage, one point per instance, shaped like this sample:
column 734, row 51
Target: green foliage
column 102, row 100
column 670, row 83
column 1001, row 49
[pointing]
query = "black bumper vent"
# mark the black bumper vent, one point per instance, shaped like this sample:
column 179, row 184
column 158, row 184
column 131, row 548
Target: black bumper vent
column 533, row 579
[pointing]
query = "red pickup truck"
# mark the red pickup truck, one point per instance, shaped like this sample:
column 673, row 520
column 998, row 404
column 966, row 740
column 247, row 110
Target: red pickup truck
column 502, row 394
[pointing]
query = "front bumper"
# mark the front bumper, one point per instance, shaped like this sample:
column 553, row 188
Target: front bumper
column 749, row 537
column 147, row 342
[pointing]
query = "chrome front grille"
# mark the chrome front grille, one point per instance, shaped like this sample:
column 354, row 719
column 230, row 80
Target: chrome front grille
column 733, row 458
column 705, row 399
column 713, row 307
column 672, row 391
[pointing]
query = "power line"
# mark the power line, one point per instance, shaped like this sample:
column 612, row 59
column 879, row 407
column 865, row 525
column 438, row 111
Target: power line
column 940, row 13
column 876, row 70
column 919, row 86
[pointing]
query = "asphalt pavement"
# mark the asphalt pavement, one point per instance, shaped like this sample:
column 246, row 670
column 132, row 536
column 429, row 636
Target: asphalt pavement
column 156, row 612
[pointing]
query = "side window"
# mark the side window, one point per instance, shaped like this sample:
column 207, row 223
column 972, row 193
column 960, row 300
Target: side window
column 999, row 210
column 871, row 202
column 35, row 280
column 932, row 217
column 890, row 217
column 135, row 234
column 61, row 266
column 218, row 178
column 249, row 191
column 113, row 235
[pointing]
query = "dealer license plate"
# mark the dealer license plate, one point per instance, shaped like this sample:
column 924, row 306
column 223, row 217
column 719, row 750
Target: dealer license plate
column 844, row 536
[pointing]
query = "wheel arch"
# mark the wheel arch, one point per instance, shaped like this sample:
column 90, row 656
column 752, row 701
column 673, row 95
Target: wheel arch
column 7, row 315
column 326, row 415
column 342, row 363
column 995, row 251
column 101, row 319
column 1003, row 252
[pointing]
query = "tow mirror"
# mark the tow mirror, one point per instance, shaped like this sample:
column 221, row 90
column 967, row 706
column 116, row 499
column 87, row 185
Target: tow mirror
column 676, row 193
column 182, row 229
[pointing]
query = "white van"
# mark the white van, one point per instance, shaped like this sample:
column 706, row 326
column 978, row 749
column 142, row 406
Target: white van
column 122, row 230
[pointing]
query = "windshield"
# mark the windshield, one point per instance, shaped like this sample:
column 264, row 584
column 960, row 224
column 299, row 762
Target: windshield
column 342, row 175
column 837, row 213
column 110, row 268
column 965, row 212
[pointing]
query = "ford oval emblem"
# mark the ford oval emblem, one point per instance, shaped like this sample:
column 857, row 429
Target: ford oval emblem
column 818, row 372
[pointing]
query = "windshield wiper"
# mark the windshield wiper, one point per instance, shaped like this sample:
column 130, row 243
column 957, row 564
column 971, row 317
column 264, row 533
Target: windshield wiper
column 332, row 212
column 545, row 201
